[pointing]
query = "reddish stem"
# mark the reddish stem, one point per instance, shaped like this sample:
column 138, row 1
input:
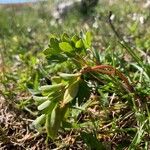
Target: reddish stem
column 109, row 70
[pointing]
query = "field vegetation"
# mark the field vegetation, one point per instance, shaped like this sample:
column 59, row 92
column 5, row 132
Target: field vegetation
column 76, row 78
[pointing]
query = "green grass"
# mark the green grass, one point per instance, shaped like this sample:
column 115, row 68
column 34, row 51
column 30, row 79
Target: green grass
column 107, row 112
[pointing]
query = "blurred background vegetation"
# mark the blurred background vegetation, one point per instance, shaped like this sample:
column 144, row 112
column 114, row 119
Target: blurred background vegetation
column 25, row 28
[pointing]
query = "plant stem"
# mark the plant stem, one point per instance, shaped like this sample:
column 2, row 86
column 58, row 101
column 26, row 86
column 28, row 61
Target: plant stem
column 111, row 71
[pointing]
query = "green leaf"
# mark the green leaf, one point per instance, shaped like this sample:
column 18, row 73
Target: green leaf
column 53, row 48
column 79, row 44
column 67, row 76
column 36, row 81
column 49, row 88
column 54, row 120
column 74, row 39
column 56, row 79
column 39, row 121
column 49, row 109
column 88, row 38
column 44, row 105
column 50, row 51
column 39, row 99
column 71, row 92
column 65, row 37
column 85, row 94
column 66, row 47
column 59, row 58
column 54, row 44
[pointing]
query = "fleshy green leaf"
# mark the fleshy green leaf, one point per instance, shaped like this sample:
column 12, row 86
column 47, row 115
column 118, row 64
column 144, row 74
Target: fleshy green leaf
column 39, row 99
column 54, row 119
column 71, row 92
column 79, row 44
column 48, row 88
column 67, row 76
column 66, row 47
column 39, row 121
column 56, row 79
column 44, row 105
